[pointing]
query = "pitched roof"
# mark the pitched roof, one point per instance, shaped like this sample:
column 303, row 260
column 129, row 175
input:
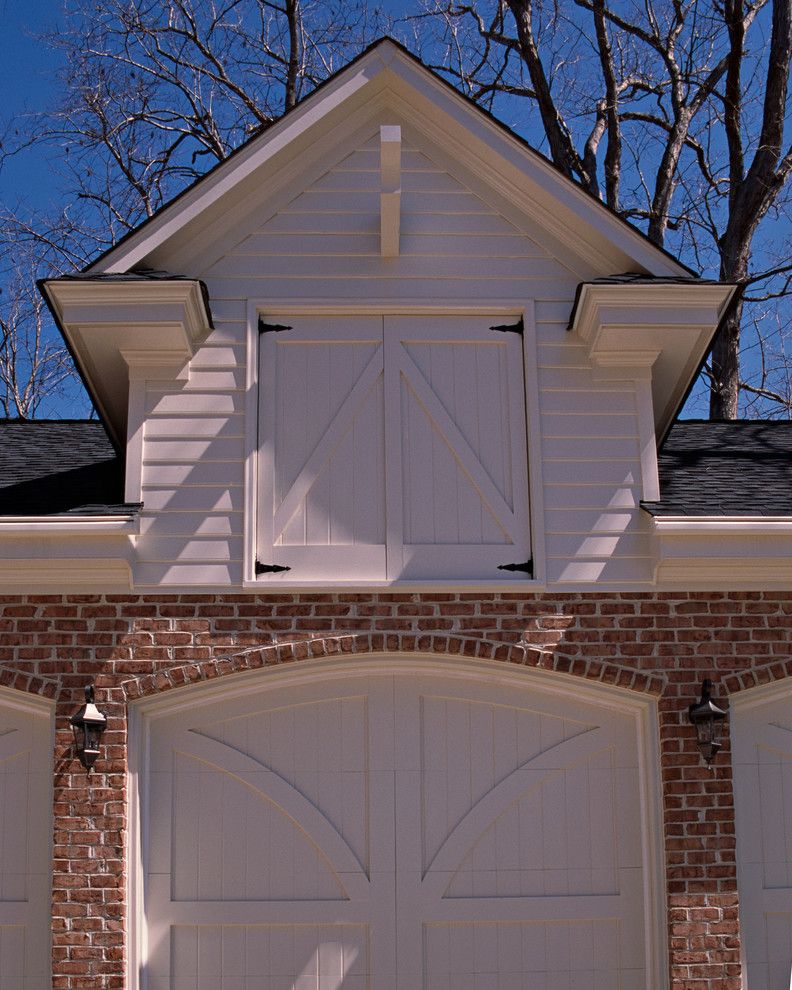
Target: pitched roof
column 56, row 467
column 739, row 468
column 247, row 166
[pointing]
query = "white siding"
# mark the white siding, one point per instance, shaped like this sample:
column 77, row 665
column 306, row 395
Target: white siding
column 455, row 248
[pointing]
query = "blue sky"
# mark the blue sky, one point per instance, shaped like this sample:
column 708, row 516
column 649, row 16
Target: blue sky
column 28, row 82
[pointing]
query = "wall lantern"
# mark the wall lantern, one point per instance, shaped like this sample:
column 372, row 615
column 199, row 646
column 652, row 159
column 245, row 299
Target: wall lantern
column 707, row 718
column 88, row 724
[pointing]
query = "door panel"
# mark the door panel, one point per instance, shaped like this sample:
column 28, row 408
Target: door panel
column 396, row 831
column 392, row 447
column 25, row 856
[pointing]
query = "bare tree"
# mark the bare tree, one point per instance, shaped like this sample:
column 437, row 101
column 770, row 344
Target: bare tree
column 671, row 111
column 34, row 369
column 155, row 92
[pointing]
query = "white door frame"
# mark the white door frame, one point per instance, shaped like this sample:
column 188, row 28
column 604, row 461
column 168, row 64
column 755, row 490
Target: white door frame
column 642, row 708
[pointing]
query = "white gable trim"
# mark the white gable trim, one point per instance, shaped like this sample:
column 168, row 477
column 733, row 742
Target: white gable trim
column 583, row 225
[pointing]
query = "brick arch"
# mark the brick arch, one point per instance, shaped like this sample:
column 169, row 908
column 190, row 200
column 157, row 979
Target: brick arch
column 27, row 683
column 774, row 670
column 602, row 671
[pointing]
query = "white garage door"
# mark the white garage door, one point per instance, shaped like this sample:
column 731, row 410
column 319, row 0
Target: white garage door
column 396, row 831
column 762, row 741
column 25, row 856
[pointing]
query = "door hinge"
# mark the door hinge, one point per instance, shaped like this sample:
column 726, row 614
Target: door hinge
column 270, row 568
column 271, row 327
column 527, row 567
column 517, row 327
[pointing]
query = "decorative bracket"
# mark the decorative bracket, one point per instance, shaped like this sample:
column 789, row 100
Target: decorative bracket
column 390, row 190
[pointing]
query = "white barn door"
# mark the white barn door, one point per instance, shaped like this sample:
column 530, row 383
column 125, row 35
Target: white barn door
column 396, row 831
column 25, row 850
column 392, row 448
column 457, row 454
column 762, row 763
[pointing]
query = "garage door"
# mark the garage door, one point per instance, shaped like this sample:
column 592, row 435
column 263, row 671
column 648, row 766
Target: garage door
column 395, row 831
column 25, row 857
column 762, row 740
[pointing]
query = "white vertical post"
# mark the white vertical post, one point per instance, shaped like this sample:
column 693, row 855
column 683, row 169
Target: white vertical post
column 390, row 190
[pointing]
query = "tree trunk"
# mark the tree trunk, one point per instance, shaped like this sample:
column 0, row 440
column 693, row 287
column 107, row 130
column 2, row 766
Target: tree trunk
column 725, row 391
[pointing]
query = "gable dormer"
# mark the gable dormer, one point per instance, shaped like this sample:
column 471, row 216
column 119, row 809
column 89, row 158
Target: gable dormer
column 389, row 434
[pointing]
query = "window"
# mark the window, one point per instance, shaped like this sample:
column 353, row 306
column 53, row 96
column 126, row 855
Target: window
column 392, row 448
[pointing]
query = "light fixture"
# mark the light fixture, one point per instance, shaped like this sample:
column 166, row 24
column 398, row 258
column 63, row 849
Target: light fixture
column 707, row 718
column 88, row 724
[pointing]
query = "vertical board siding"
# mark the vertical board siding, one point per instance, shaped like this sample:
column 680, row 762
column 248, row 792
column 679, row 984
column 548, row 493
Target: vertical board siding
column 324, row 244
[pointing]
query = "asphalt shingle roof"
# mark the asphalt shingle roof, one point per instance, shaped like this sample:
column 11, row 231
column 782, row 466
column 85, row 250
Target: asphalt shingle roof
column 55, row 467
column 740, row 468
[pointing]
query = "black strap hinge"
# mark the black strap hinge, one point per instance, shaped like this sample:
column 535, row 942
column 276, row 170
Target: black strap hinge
column 270, row 568
column 527, row 567
column 517, row 327
column 271, row 327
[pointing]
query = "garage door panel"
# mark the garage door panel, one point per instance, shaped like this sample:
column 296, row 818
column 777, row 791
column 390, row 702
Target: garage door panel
column 449, row 810
column 468, row 747
column 549, row 955
column 763, row 805
column 277, row 957
column 25, row 859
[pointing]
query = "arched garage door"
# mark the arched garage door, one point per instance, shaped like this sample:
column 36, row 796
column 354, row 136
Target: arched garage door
column 762, row 761
column 397, row 831
column 25, row 851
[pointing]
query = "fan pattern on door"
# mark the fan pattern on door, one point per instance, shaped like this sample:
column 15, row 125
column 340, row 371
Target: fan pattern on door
column 392, row 447
column 283, row 873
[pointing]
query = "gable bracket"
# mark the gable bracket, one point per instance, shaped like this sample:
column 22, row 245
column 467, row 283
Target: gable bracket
column 518, row 327
column 271, row 327
column 270, row 568
column 526, row 567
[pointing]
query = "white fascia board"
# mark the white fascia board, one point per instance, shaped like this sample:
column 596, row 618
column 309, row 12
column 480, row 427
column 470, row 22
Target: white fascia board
column 251, row 157
column 585, row 227
column 35, row 526
column 722, row 525
column 65, row 575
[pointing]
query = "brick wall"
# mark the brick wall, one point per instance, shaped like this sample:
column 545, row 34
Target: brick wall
column 662, row 644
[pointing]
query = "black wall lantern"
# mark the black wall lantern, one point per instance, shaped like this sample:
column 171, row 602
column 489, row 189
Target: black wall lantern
column 88, row 724
column 707, row 718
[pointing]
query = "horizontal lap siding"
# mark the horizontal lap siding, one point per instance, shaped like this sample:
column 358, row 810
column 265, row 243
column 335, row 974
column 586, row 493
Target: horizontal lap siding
column 191, row 525
column 324, row 244
column 594, row 527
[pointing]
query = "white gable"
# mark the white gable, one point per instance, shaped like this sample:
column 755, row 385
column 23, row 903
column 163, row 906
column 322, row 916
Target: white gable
column 388, row 83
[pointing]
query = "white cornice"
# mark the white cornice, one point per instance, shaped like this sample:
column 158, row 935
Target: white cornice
column 667, row 326
column 116, row 328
